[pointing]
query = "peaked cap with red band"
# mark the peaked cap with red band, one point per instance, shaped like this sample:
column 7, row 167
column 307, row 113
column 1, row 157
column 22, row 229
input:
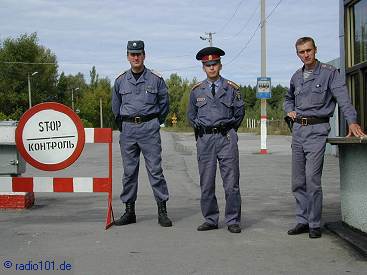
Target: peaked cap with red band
column 210, row 55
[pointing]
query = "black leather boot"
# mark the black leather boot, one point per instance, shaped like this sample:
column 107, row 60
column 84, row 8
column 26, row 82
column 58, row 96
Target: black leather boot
column 163, row 219
column 129, row 215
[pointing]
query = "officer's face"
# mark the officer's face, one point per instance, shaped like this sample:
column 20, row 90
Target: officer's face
column 136, row 61
column 212, row 71
column 307, row 53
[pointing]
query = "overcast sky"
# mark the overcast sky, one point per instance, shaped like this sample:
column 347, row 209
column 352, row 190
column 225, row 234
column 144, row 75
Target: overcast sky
column 84, row 33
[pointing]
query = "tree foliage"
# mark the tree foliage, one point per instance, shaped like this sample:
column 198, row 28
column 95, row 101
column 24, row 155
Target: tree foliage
column 23, row 56
column 19, row 58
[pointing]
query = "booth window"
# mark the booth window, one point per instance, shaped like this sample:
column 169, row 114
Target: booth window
column 360, row 32
column 356, row 56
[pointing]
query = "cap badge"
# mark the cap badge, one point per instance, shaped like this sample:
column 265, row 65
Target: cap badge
column 210, row 57
column 134, row 44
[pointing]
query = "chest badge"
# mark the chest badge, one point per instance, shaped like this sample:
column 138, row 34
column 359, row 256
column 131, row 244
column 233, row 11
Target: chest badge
column 200, row 99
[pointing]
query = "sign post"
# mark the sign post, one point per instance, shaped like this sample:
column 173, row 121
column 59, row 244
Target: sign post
column 263, row 92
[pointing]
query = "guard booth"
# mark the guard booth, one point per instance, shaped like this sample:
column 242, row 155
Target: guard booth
column 352, row 150
column 353, row 180
column 12, row 164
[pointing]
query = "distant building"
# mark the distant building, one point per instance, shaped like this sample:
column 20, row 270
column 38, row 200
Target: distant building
column 353, row 55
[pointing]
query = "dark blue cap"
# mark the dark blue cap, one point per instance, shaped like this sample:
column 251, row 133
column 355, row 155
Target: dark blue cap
column 135, row 46
column 210, row 55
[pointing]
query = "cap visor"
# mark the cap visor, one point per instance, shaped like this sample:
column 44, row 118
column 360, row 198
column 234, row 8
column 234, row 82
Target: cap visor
column 211, row 62
column 134, row 51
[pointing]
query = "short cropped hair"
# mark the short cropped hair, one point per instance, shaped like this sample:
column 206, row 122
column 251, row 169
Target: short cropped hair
column 303, row 40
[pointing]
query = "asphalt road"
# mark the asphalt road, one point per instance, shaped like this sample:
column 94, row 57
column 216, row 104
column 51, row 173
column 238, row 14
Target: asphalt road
column 69, row 228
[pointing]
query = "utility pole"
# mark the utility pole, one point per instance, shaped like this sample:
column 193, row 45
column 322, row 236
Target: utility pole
column 209, row 38
column 29, row 89
column 72, row 97
column 263, row 130
column 101, row 112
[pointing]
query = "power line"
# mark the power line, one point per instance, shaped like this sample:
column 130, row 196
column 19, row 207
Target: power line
column 247, row 43
column 248, row 21
column 28, row 63
column 245, row 25
column 179, row 69
column 252, row 36
column 233, row 15
column 275, row 7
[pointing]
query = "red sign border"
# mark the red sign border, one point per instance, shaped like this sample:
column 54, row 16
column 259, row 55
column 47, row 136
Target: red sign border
column 60, row 108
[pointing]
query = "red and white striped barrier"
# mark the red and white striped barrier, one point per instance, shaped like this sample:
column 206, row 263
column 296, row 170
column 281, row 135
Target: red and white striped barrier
column 73, row 184
column 49, row 184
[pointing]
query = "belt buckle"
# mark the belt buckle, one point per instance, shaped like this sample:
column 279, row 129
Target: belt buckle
column 137, row 119
column 304, row 121
column 215, row 130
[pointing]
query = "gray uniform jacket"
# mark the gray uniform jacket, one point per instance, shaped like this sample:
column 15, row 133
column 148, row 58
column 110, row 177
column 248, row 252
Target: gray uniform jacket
column 226, row 108
column 317, row 95
column 147, row 96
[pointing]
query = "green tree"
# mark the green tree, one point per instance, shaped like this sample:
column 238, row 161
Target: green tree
column 19, row 58
column 177, row 87
column 90, row 104
column 249, row 96
column 93, row 77
column 66, row 84
column 277, row 96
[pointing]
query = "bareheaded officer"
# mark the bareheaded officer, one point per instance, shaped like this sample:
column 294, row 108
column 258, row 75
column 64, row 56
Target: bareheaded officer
column 140, row 105
column 310, row 102
column 215, row 111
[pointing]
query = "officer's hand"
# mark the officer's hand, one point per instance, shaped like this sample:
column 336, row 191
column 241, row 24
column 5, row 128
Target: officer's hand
column 355, row 130
column 292, row 115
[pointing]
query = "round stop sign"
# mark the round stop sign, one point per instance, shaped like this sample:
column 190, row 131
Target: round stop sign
column 50, row 136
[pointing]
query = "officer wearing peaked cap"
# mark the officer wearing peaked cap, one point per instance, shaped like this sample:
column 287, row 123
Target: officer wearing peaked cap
column 215, row 111
column 140, row 105
column 310, row 102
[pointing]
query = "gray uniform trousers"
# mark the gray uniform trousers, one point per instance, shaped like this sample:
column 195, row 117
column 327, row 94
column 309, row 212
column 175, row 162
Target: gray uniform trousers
column 308, row 148
column 224, row 149
column 145, row 138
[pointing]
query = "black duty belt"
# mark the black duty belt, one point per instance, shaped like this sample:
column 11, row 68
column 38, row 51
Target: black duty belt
column 304, row 121
column 139, row 119
column 222, row 129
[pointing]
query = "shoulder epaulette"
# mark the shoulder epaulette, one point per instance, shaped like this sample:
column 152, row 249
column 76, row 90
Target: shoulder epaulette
column 121, row 74
column 196, row 85
column 233, row 85
column 328, row 66
column 299, row 70
column 156, row 73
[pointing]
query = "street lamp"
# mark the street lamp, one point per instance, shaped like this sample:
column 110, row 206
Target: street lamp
column 29, row 89
column 210, row 38
column 72, row 97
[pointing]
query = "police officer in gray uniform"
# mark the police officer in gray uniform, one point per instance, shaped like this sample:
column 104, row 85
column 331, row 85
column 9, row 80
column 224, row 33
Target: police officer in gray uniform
column 216, row 110
column 310, row 102
column 140, row 105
